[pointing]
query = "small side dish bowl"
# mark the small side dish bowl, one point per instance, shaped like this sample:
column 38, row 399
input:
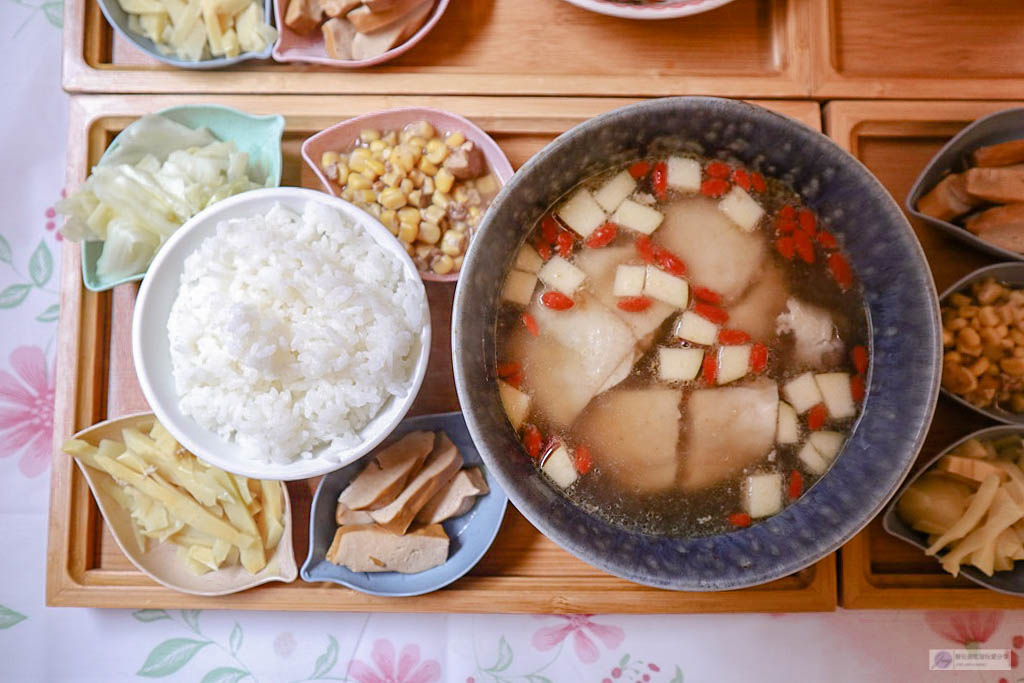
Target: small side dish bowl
column 258, row 136
column 151, row 345
column 295, row 47
column 161, row 562
column 651, row 9
column 343, row 135
column 952, row 158
column 1009, row 582
column 118, row 19
column 471, row 534
column 1011, row 274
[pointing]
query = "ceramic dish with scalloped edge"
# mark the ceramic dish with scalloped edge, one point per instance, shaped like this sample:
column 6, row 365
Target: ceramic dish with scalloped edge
column 952, row 158
column 1009, row 582
column 342, row 136
column 160, row 562
column 651, row 9
column 471, row 534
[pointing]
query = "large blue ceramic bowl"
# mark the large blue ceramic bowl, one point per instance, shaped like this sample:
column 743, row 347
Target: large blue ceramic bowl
column 905, row 339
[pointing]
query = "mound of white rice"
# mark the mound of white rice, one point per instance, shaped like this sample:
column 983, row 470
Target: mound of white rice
column 291, row 331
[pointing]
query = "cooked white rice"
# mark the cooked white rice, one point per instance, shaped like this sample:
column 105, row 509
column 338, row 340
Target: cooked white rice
column 291, row 331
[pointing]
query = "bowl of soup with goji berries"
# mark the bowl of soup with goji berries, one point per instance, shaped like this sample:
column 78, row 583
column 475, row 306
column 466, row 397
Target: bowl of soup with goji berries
column 697, row 343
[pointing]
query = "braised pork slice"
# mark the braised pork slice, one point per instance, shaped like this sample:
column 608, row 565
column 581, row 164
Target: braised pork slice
column 383, row 478
column 438, row 470
column 372, row 548
column 455, row 499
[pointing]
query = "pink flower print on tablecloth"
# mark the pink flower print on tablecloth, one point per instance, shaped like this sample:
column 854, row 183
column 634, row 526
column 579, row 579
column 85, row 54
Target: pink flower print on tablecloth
column 577, row 625
column 26, row 410
column 969, row 629
column 405, row 670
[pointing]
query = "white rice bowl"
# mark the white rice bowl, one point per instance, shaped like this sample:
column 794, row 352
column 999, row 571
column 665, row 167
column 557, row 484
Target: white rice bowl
column 291, row 332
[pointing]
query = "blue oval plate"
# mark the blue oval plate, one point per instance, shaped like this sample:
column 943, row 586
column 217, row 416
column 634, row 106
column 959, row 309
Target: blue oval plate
column 471, row 534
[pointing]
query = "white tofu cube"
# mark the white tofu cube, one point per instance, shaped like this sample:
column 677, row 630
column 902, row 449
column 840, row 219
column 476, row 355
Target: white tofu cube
column 582, row 213
column 828, row 444
column 636, row 216
column 733, row 363
column 629, row 280
column 559, row 467
column 695, row 328
column 518, row 287
column 741, row 209
column 561, row 275
column 684, row 174
column 614, row 191
column 527, row 259
column 802, row 393
column 763, row 495
column 668, row 288
column 835, row 390
column 515, row 402
column 788, row 429
column 812, row 459
column 679, row 365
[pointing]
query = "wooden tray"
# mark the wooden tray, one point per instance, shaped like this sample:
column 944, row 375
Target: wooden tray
column 749, row 48
column 895, row 140
column 943, row 49
column 523, row 572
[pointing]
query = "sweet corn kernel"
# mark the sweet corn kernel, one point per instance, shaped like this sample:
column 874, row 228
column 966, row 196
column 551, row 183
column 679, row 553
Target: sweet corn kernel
column 408, row 248
column 474, row 212
column 443, row 265
column 429, row 232
column 454, row 139
column 436, row 151
column 375, row 166
column 360, row 153
column 443, row 180
column 458, row 262
column 376, row 146
column 440, row 199
column 347, row 193
column 392, row 198
column 416, row 198
column 367, row 196
column 461, row 195
column 385, row 153
column 369, row 134
column 487, row 185
column 407, row 232
column 453, row 243
column 417, row 142
column 328, row 158
column 406, row 185
column 427, row 167
column 434, row 213
column 423, row 251
column 389, row 217
column 403, row 157
column 374, row 210
column 428, row 185
column 409, row 214
column 421, row 129
column 357, row 181
column 392, row 178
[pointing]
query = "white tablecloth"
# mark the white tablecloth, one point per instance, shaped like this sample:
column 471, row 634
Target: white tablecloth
column 38, row 643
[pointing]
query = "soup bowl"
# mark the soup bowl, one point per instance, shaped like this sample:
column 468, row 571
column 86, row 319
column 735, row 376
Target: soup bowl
column 903, row 316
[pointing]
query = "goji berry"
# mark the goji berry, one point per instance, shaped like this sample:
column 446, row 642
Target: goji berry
column 509, row 368
column 826, row 239
column 549, row 228
column 565, row 243
column 582, row 459
column 840, row 269
column 532, row 440
column 634, row 304
column 733, row 337
column 603, row 236
column 816, row 417
column 639, row 169
column 713, row 313
column 788, row 212
column 808, row 221
column 796, row 485
column 739, row 519
column 758, row 357
column 659, row 180
column 713, row 187
column 786, row 246
column 804, row 247
column 718, row 169
column 707, row 295
column 645, row 249
column 531, row 324
column 857, row 388
column 544, row 249
column 669, row 262
column 740, row 178
column 757, row 181
column 859, row 355
column 556, row 301
column 709, row 368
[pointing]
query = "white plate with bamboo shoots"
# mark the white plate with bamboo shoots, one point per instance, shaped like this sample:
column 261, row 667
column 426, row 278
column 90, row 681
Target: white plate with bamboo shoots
column 187, row 525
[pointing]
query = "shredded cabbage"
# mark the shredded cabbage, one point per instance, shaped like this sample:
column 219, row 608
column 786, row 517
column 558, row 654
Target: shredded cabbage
column 161, row 174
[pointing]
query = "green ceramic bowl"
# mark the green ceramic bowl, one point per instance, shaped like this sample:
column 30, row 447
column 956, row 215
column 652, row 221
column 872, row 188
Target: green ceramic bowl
column 259, row 136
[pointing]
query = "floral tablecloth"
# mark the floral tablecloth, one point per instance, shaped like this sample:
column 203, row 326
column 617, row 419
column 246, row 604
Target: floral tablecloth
column 38, row 643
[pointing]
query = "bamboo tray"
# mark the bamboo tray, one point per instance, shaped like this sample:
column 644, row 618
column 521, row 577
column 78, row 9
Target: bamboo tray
column 523, row 571
column 749, row 48
column 942, row 49
column 895, row 140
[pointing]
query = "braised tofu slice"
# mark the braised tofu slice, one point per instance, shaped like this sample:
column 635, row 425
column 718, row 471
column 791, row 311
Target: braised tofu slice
column 455, row 499
column 1002, row 226
column 613, row 192
column 366, row 45
column 383, row 478
column 345, row 517
column 996, row 185
column 372, row 548
column 366, row 20
column 338, row 8
column 763, row 495
column 582, row 213
column 303, row 16
column 1002, row 154
column 948, row 199
column 338, row 36
column 437, row 471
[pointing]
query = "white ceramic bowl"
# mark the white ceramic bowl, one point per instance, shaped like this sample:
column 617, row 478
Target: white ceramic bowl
column 151, row 346
column 666, row 9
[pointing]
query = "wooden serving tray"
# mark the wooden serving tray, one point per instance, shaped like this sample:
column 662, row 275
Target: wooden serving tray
column 749, row 48
column 895, row 140
column 523, row 571
column 942, row 49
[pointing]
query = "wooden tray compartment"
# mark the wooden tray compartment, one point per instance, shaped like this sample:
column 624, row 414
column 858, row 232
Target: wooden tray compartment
column 895, row 140
column 523, row 571
column 942, row 49
column 749, row 48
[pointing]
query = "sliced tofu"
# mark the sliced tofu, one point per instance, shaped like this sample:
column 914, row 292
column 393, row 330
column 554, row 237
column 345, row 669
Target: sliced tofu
column 601, row 266
column 382, row 480
column 303, row 16
column 637, row 217
column 1002, row 226
column 741, row 208
column 696, row 328
column 948, row 199
column 763, row 495
column 338, row 36
column 366, row 20
column 835, row 391
column 613, row 192
column 518, row 287
column 670, row 289
column 827, row 443
column 812, row 460
column 345, row 517
column 733, row 363
column 455, row 499
column 788, row 429
column 802, row 393
column 629, row 281
column 437, row 471
column 559, row 467
column 528, row 260
column 1002, row 154
column 376, row 43
column 516, row 403
column 372, row 548
column 634, row 436
column 339, row 8
column 559, row 274
column 582, row 213
column 729, row 429
column 679, row 365
column 684, row 174
column 816, row 340
column 996, row 185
